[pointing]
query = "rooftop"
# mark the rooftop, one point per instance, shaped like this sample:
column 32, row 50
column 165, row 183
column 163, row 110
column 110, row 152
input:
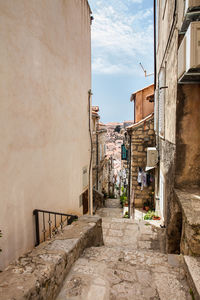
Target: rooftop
column 134, row 94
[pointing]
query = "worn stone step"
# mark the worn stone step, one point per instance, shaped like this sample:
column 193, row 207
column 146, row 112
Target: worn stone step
column 192, row 268
column 116, row 273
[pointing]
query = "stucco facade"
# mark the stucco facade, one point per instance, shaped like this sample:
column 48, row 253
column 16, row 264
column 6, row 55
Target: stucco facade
column 177, row 118
column 142, row 106
column 45, row 144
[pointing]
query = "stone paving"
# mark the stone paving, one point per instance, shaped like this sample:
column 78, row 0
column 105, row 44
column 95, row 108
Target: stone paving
column 131, row 265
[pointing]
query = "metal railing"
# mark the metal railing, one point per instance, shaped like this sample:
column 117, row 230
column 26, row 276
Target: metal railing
column 52, row 223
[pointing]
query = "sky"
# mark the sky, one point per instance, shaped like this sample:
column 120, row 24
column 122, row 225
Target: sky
column 122, row 37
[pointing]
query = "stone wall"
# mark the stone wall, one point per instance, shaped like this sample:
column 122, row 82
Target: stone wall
column 143, row 136
column 39, row 274
column 188, row 199
column 188, row 135
column 98, row 200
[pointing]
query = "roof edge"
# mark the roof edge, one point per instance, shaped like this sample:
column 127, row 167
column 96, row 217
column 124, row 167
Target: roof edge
column 140, row 122
column 133, row 94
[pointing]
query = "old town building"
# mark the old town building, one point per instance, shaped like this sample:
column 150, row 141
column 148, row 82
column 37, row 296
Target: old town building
column 45, row 141
column 143, row 102
column 177, row 122
column 99, row 164
column 141, row 136
column 138, row 138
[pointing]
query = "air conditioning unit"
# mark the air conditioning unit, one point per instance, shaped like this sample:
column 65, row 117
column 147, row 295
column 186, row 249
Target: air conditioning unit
column 191, row 13
column 152, row 158
column 189, row 55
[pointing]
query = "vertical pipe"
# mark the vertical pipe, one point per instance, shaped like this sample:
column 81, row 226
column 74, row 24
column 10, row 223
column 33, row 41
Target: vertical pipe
column 97, row 161
column 129, row 177
column 90, row 204
column 155, row 65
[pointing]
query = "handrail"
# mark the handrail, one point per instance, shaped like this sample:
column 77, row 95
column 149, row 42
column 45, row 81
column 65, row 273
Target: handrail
column 52, row 229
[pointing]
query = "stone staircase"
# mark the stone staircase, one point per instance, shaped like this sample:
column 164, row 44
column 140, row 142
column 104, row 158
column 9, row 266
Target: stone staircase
column 131, row 265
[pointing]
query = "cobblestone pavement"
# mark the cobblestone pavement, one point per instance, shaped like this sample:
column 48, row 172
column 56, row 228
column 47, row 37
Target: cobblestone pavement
column 130, row 266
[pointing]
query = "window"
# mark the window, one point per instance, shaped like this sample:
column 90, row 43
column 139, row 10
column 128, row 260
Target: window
column 161, row 102
column 156, row 99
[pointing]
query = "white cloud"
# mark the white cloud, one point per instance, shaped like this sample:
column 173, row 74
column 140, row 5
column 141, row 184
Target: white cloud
column 121, row 37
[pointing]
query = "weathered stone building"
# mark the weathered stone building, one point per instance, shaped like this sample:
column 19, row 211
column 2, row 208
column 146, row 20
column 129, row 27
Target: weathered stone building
column 177, row 123
column 45, row 142
column 139, row 137
column 142, row 136
column 99, row 158
column 99, row 149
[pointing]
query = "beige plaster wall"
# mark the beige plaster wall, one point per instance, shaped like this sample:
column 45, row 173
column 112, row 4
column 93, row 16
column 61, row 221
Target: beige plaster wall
column 166, row 144
column 44, row 83
column 188, row 135
column 142, row 106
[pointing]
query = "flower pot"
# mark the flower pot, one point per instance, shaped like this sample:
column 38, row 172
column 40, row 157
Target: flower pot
column 156, row 218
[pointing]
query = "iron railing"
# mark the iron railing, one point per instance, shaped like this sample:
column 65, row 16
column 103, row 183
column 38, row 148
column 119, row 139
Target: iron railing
column 55, row 222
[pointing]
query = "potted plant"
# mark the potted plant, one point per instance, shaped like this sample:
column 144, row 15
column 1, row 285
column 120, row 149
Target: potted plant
column 156, row 218
column 125, row 201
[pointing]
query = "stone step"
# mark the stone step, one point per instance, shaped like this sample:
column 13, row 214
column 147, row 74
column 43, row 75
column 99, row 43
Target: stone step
column 192, row 268
column 105, row 273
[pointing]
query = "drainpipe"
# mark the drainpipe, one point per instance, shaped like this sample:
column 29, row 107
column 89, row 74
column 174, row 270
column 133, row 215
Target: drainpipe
column 90, row 204
column 155, row 65
column 129, row 176
column 97, row 161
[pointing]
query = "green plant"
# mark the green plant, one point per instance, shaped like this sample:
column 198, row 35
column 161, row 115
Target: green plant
column 126, row 215
column 123, row 200
column 192, row 294
column 150, row 215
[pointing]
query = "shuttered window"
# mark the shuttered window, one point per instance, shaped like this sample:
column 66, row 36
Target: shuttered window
column 161, row 103
column 156, row 112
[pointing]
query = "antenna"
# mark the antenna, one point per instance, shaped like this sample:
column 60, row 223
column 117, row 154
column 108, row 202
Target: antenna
column 145, row 72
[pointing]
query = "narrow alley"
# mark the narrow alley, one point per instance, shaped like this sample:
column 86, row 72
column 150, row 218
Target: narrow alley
column 131, row 264
column 100, row 150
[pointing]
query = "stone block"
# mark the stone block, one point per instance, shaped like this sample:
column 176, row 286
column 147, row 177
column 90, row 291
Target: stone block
column 151, row 132
column 135, row 153
column 140, row 148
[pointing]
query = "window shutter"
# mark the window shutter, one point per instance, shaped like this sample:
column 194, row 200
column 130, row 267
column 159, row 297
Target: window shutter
column 161, row 108
column 156, row 111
